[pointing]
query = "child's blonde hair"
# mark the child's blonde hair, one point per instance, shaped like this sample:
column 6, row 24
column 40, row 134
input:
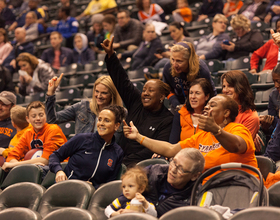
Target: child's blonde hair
column 140, row 176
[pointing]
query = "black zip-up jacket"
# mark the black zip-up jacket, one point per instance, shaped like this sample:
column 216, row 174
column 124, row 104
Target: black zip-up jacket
column 157, row 175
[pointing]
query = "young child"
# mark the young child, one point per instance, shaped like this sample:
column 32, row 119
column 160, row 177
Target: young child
column 82, row 54
column 183, row 12
column 231, row 7
column 134, row 183
column 18, row 119
column 48, row 137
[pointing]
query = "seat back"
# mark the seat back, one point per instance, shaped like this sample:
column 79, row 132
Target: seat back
column 27, row 195
column 257, row 213
column 265, row 165
column 19, row 213
column 147, row 162
column 49, row 179
column 70, row 213
column 195, row 212
column 68, row 128
column 122, row 170
column 274, row 195
column 70, row 193
column 104, row 196
column 23, row 173
column 134, row 216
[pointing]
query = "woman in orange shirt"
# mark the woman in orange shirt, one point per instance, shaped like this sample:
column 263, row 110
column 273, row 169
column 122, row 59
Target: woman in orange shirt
column 221, row 141
column 232, row 7
column 185, row 124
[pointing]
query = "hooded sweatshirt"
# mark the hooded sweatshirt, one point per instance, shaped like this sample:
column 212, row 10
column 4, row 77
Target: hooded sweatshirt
column 84, row 55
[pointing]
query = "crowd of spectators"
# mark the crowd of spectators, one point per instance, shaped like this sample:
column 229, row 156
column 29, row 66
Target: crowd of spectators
column 223, row 128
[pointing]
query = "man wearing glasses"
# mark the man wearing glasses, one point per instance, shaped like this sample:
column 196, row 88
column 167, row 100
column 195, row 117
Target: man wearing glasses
column 170, row 186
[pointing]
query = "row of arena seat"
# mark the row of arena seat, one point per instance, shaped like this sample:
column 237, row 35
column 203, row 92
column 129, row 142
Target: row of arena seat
column 81, row 195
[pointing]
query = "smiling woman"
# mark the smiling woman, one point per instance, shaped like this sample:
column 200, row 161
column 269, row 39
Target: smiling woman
column 85, row 112
column 185, row 67
column 94, row 157
column 146, row 109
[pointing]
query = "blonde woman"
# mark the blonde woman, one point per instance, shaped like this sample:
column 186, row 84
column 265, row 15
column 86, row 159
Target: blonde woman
column 245, row 40
column 84, row 113
column 183, row 68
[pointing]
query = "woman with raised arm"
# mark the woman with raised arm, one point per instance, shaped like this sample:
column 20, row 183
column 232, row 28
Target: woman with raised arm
column 84, row 113
column 146, row 109
column 221, row 141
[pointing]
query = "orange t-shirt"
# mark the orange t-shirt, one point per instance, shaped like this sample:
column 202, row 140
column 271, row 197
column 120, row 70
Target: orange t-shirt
column 215, row 154
column 50, row 138
column 250, row 120
column 186, row 13
column 187, row 128
column 233, row 6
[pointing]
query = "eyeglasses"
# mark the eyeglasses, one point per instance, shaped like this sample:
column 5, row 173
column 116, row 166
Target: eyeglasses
column 178, row 168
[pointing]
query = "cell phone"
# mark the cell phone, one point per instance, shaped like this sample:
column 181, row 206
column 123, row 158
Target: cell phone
column 22, row 73
column 226, row 42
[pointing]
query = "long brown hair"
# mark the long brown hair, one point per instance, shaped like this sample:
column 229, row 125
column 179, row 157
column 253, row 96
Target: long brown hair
column 239, row 81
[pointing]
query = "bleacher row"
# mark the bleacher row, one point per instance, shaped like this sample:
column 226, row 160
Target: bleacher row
column 24, row 196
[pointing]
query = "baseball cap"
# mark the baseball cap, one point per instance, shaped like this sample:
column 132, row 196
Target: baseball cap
column 8, row 98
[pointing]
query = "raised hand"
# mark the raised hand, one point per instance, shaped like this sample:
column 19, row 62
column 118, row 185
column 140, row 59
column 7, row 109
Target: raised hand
column 275, row 37
column 53, row 84
column 107, row 45
column 130, row 132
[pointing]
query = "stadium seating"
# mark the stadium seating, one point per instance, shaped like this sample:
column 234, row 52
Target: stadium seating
column 103, row 196
column 70, row 213
column 23, row 173
column 25, row 194
column 147, row 162
column 19, row 213
column 70, row 193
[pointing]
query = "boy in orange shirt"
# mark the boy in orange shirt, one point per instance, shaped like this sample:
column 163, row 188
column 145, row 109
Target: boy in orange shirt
column 183, row 12
column 48, row 137
column 18, row 119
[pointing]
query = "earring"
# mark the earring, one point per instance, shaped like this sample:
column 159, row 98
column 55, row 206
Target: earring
column 225, row 122
column 161, row 101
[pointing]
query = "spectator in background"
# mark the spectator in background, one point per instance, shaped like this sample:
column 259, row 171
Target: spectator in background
column 149, row 12
column 96, row 35
column 128, row 32
column 82, row 54
column 6, row 13
column 245, row 40
column 32, row 28
column 20, row 46
column 7, row 131
column 12, row 4
column 273, row 11
column 98, row 6
column 231, row 7
column 33, row 6
column 254, row 10
column 57, row 55
column 5, row 46
column 270, row 51
column 109, row 24
column 183, row 12
column 67, row 26
column 6, row 80
column 209, row 47
column 18, row 119
column 66, row 3
column 34, row 74
column 210, row 8
column 145, row 54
